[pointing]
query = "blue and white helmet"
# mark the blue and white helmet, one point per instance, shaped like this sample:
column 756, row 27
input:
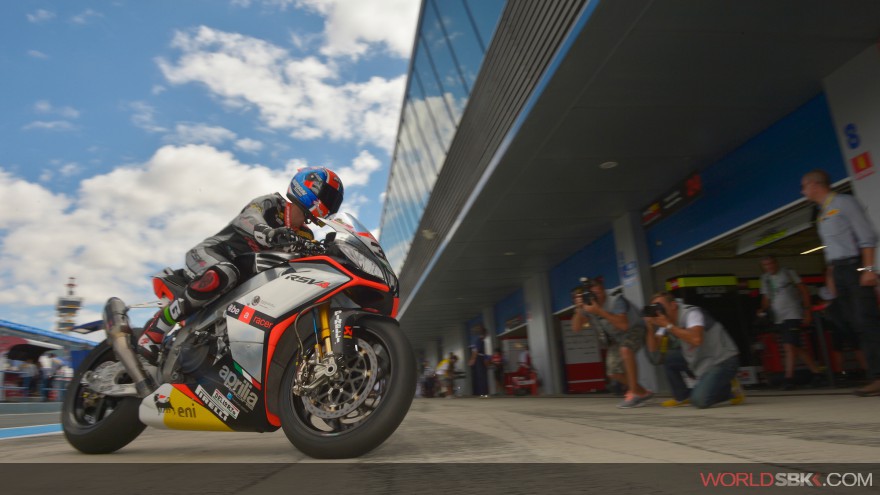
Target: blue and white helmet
column 317, row 190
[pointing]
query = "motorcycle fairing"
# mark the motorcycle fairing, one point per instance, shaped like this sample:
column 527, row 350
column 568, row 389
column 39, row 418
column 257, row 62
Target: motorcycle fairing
column 222, row 396
column 176, row 407
column 227, row 379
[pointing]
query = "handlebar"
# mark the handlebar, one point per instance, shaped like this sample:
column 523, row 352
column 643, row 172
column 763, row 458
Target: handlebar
column 295, row 242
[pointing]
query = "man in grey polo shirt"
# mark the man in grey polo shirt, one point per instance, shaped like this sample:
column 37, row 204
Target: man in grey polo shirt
column 850, row 244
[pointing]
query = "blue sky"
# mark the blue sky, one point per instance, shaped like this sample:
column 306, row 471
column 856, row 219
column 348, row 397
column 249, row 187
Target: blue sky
column 130, row 130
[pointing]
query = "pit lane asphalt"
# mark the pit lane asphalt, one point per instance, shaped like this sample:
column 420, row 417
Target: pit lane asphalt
column 766, row 429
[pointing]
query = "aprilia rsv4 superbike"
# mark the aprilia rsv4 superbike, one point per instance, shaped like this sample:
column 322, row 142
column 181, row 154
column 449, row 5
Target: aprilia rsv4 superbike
column 307, row 342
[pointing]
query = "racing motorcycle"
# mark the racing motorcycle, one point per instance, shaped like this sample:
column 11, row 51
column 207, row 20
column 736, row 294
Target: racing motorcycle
column 306, row 342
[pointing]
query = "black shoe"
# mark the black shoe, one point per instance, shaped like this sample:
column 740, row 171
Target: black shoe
column 819, row 380
column 788, row 385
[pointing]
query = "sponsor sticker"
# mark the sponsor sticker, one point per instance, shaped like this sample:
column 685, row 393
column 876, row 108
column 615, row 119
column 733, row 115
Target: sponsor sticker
column 251, row 316
column 211, row 404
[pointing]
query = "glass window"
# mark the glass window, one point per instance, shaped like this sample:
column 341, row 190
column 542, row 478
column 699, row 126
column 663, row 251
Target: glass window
column 485, row 15
column 410, row 206
column 430, row 83
column 449, row 50
column 418, row 122
column 419, row 188
column 440, row 55
column 466, row 48
column 436, row 140
column 424, row 170
column 403, row 233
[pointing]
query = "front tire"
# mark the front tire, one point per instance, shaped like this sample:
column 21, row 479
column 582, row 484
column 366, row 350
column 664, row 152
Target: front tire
column 364, row 408
column 94, row 423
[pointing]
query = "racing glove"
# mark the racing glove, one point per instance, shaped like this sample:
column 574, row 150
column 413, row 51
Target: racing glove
column 269, row 237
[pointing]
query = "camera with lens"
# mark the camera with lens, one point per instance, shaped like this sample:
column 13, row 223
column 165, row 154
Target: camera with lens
column 653, row 310
column 584, row 291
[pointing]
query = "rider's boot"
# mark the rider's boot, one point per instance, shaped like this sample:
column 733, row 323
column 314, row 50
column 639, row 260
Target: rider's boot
column 150, row 342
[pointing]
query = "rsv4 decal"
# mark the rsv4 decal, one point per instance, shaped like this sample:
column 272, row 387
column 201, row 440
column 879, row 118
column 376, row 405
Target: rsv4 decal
column 306, row 280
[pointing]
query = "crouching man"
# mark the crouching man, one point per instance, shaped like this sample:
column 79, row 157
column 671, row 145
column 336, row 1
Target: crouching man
column 707, row 352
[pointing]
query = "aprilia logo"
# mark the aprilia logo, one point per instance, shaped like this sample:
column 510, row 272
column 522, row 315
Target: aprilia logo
column 307, row 280
column 240, row 388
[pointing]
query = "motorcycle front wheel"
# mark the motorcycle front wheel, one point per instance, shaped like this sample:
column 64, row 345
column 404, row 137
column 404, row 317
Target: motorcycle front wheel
column 94, row 423
column 358, row 409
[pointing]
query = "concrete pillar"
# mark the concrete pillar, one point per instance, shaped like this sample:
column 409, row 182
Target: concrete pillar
column 467, row 384
column 492, row 342
column 854, row 98
column 634, row 266
column 542, row 335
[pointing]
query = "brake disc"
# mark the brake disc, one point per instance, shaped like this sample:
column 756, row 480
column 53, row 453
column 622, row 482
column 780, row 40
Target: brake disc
column 345, row 392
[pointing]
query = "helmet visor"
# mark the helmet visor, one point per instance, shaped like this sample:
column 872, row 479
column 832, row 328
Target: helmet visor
column 331, row 198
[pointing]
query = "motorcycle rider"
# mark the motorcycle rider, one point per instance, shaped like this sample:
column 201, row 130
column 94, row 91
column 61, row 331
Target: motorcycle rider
column 266, row 222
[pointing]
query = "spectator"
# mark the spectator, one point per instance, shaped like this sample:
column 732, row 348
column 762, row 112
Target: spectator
column 497, row 363
column 29, row 374
column 445, row 372
column 850, row 244
column 787, row 300
column 707, row 352
column 618, row 322
column 49, row 365
column 426, row 380
column 477, row 361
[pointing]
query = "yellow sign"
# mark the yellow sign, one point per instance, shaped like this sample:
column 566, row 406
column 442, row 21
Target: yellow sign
column 683, row 282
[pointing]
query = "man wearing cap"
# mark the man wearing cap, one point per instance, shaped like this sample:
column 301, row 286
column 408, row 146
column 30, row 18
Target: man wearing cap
column 850, row 246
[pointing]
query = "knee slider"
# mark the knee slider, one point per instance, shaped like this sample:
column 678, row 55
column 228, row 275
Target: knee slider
column 215, row 281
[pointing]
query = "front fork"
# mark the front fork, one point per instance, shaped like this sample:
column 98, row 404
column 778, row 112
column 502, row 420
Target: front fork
column 334, row 344
column 336, row 337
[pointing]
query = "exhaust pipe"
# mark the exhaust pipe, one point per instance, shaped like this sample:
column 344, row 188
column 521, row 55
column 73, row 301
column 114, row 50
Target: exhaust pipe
column 119, row 337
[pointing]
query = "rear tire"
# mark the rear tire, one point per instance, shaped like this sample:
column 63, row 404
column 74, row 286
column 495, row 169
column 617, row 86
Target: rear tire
column 94, row 423
column 368, row 425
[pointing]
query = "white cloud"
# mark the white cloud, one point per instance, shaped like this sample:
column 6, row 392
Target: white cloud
column 300, row 96
column 352, row 203
column 69, row 169
column 249, row 145
column 44, row 106
column 52, row 125
column 37, row 54
column 41, row 15
column 358, row 174
column 280, row 4
column 121, row 226
column 353, row 25
column 200, row 134
column 144, row 116
column 158, row 89
column 85, row 17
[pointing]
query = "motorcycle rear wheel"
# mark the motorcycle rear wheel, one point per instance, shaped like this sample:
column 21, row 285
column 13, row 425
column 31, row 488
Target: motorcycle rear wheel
column 94, row 423
column 364, row 407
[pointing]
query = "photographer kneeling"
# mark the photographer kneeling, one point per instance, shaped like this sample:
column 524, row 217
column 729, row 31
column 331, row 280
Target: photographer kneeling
column 707, row 352
column 620, row 328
